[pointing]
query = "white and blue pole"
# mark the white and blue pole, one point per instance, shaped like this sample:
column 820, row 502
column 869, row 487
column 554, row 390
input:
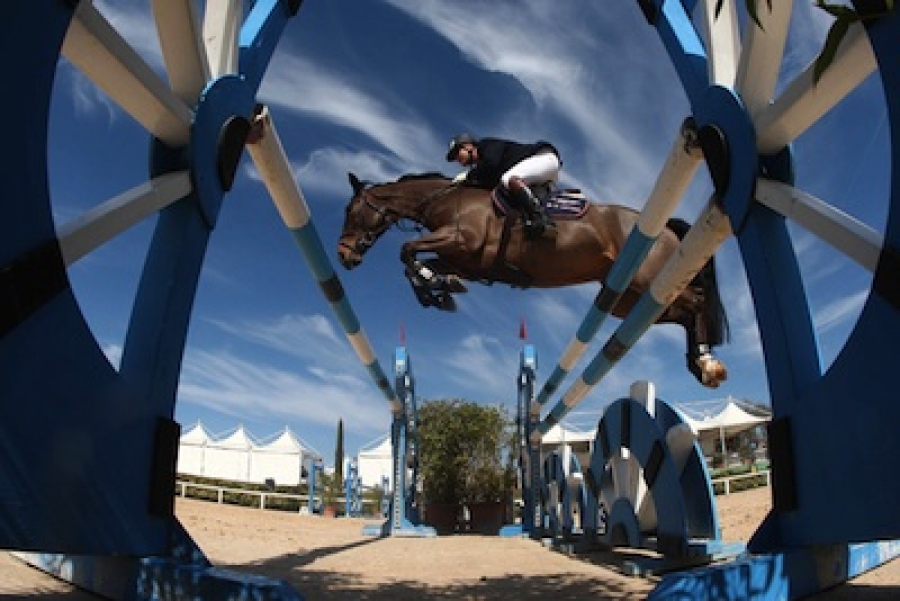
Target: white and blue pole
column 701, row 242
column 671, row 184
column 268, row 155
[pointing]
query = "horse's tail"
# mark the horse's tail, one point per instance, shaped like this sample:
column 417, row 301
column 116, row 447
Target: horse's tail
column 714, row 316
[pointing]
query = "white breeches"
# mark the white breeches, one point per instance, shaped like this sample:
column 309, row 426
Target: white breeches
column 535, row 170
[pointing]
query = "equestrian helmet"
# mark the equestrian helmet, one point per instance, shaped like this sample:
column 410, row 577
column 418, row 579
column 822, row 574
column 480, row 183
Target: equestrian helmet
column 456, row 143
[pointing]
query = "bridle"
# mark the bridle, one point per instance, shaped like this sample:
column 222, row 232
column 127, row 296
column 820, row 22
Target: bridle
column 388, row 218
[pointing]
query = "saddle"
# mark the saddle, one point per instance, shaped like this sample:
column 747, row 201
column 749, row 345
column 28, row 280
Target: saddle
column 559, row 204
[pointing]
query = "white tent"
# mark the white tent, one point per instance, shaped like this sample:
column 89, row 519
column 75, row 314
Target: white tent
column 713, row 427
column 375, row 462
column 240, row 458
column 229, row 458
column 580, row 442
column 192, row 450
column 730, row 420
column 560, row 435
column 281, row 460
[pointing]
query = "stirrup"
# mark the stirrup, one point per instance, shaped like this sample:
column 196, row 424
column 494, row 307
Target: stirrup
column 544, row 226
column 536, row 229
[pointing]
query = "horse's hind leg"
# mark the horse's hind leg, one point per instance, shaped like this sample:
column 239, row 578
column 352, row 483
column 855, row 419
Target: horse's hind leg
column 708, row 370
column 688, row 311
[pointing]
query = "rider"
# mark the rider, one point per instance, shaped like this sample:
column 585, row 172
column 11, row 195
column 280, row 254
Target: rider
column 517, row 166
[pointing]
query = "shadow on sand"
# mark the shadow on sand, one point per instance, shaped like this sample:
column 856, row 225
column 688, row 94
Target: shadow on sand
column 318, row 585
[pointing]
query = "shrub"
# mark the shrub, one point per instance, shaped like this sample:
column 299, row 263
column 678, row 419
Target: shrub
column 463, row 449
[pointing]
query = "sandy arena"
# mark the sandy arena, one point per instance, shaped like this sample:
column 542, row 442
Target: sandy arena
column 329, row 559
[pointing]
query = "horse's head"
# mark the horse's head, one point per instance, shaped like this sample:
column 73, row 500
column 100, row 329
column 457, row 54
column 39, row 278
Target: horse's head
column 365, row 221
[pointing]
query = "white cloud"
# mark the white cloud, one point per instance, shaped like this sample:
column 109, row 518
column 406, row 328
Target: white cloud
column 329, row 382
column 113, row 353
column 328, row 95
column 230, row 385
column 548, row 57
column 308, row 337
column 840, row 311
column 325, row 170
column 483, row 364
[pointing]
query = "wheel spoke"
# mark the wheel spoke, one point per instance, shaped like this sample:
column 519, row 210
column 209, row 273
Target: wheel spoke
column 844, row 232
column 274, row 168
column 273, row 165
column 95, row 48
column 220, row 34
column 804, row 102
column 762, row 55
column 723, row 45
column 182, row 47
column 101, row 224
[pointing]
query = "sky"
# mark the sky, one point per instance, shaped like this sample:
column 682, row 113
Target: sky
column 378, row 88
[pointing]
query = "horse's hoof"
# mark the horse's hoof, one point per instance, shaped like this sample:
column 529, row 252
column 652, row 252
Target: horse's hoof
column 446, row 303
column 454, row 285
column 712, row 371
column 425, row 298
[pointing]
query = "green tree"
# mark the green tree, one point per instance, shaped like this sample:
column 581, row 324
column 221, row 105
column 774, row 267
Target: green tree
column 464, row 452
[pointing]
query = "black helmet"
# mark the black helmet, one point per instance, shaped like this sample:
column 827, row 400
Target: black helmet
column 456, row 142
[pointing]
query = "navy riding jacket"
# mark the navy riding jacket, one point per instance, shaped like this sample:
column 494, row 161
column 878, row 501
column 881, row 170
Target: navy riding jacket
column 496, row 156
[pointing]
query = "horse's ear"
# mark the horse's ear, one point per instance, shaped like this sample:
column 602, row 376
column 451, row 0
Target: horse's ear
column 355, row 183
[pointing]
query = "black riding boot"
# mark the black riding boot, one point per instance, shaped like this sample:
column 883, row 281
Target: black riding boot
column 537, row 223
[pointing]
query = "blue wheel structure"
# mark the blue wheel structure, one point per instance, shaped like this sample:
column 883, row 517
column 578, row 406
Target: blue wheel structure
column 743, row 122
column 653, row 487
column 565, row 496
column 820, row 416
column 93, row 496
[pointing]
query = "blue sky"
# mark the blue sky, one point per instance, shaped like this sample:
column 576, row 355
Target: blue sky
column 378, row 89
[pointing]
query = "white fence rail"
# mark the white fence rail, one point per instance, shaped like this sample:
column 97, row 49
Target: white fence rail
column 721, row 485
column 184, row 487
column 264, row 496
column 726, row 481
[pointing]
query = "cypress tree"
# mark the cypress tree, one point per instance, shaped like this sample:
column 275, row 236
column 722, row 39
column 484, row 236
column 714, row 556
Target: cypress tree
column 339, row 454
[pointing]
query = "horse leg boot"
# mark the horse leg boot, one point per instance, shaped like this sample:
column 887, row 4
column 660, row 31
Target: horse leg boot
column 537, row 223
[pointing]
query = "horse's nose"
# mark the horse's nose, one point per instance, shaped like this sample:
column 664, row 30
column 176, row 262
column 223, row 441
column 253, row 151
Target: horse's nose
column 347, row 258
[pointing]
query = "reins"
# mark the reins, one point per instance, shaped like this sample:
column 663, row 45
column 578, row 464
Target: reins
column 395, row 219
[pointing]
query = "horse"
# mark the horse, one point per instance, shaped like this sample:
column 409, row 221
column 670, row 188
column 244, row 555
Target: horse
column 468, row 238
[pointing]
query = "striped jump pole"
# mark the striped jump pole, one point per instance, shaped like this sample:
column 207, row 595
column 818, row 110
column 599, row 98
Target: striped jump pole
column 269, row 156
column 701, row 242
column 676, row 176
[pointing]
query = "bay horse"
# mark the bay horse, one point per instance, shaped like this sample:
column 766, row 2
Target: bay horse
column 469, row 239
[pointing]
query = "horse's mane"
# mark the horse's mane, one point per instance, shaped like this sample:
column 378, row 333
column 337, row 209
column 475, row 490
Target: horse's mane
column 426, row 175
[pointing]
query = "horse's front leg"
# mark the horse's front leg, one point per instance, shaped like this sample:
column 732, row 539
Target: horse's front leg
column 428, row 277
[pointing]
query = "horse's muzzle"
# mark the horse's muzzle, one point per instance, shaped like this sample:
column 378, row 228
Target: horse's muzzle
column 348, row 257
column 348, row 263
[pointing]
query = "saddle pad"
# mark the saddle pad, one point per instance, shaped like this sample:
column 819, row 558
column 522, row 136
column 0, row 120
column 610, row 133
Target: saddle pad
column 570, row 204
column 562, row 204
